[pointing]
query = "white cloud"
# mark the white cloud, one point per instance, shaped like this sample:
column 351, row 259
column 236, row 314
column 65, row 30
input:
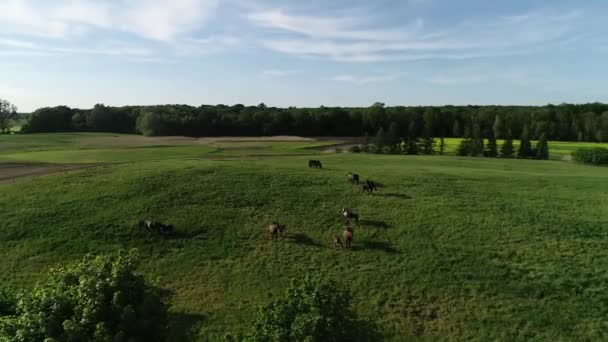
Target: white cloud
column 352, row 39
column 361, row 81
column 161, row 20
column 277, row 73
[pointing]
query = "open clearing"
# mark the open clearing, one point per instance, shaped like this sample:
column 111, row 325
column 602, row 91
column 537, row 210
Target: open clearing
column 450, row 248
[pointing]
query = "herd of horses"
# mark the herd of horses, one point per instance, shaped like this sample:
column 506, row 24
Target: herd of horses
column 349, row 215
column 276, row 229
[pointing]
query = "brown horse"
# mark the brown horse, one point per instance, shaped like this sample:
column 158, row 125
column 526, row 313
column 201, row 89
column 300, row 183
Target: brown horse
column 276, row 230
column 353, row 178
column 337, row 242
column 348, row 236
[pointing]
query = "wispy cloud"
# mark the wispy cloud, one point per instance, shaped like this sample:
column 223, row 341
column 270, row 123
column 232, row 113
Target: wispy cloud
column 365, row 80
column 161, row 20
column 358, row 40
column 278, row 73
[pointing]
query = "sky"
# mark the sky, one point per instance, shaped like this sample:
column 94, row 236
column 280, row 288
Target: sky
column 302, row 53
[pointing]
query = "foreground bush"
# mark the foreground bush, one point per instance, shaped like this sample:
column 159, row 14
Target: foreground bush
column 97, row 299
column 596, row 155
column 311, row 310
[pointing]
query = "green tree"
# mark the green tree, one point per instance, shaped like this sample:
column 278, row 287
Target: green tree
column 150, row 123
column 441, row 146
column 380, row 140
column 525, row 146
column 491, row 150
column 456, row 129
column 97, row 299
column 477, row 145
column 393, row 138
column 8, row 113
column 498, row 127
column 411, row 146
column 542, row 147
column 428, row 145
column 507, row 150
column 311, row 310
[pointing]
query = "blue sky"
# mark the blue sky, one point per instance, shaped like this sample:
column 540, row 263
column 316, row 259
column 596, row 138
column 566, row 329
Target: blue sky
column 302, row 53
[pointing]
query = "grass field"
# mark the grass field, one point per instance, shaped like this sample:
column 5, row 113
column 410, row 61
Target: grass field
column 450, row 248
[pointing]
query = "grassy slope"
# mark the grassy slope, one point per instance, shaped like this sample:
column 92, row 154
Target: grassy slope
column 451, row 246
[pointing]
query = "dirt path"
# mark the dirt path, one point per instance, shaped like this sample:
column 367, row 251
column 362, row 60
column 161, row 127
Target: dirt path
column 12, row 171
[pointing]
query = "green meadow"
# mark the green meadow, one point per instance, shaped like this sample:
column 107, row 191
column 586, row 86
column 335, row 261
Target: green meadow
column 449, row 248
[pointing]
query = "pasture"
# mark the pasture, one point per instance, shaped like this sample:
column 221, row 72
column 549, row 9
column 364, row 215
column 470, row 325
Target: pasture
column 448, row 248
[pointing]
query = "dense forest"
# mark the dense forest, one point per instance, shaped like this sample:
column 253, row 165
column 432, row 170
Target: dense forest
column 567, row 122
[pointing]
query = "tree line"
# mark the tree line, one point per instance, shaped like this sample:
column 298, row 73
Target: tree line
column 565, row 122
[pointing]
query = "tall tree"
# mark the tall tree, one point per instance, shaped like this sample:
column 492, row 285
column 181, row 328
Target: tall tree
column 491, row 148
column 542, row 147
column 498, row 127
column 441, row 146
column 8, row 113
column 380, row 140
column 506, row 150
column 456, row 129
column 525, row 146
column 393, row 138
column 477, row 147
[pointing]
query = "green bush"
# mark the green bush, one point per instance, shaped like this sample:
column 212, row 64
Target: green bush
column 311, row 310
column 96, row 299
column 355, row 149
column 596, row 155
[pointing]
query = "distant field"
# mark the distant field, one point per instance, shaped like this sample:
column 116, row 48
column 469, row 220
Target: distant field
column 450, row 248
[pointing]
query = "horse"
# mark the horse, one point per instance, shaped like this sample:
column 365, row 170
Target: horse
column 337, row 242
column 349, row 214
column 353, row 178
column 348, row 236
column 276, row 229
column 315, row 164
column 157, row 227
column 369, row 186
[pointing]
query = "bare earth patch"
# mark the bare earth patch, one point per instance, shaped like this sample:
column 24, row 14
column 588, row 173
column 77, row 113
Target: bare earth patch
column 141, row 141
column 12, row 171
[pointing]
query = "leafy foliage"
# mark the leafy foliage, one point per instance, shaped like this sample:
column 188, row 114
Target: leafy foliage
column 97, row 299
column 597, row 155
column 566, row 122
column 8, row 112
column 507, row 150
column 311, row 310
column 542, row 148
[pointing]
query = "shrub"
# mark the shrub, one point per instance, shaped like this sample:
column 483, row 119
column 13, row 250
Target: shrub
column 355, row 149
column 596, row 155
column 311, row 310
column 96, row 299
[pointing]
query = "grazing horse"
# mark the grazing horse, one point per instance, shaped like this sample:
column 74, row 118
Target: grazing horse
column 337, row 242
column 348, row 236
column 276, row 230
column 349, row 214
column 353, row 178
column 157, row 227
column 315, row 164
column 369, row 186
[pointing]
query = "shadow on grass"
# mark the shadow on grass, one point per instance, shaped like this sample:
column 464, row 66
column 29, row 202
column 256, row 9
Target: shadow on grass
column 181, row 326
column 373, row 223
column 393, row 195
column 302, row 239
column 377, row 246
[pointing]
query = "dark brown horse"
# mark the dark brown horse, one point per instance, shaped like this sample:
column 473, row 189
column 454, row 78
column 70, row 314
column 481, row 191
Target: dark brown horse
column 156, row 227
column 348, row 236
column 369, row 186
column 276, row 230
column 349, row 214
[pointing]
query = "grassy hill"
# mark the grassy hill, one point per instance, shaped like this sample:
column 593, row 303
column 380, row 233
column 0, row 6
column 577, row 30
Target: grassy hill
column 449, row 248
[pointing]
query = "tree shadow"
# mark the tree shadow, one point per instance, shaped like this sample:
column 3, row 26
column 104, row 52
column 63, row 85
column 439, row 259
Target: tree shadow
column 378, row 246
column 190, row 234
column 302, row 239
column 394, row 195
column 373, row 223
column 181, row 326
